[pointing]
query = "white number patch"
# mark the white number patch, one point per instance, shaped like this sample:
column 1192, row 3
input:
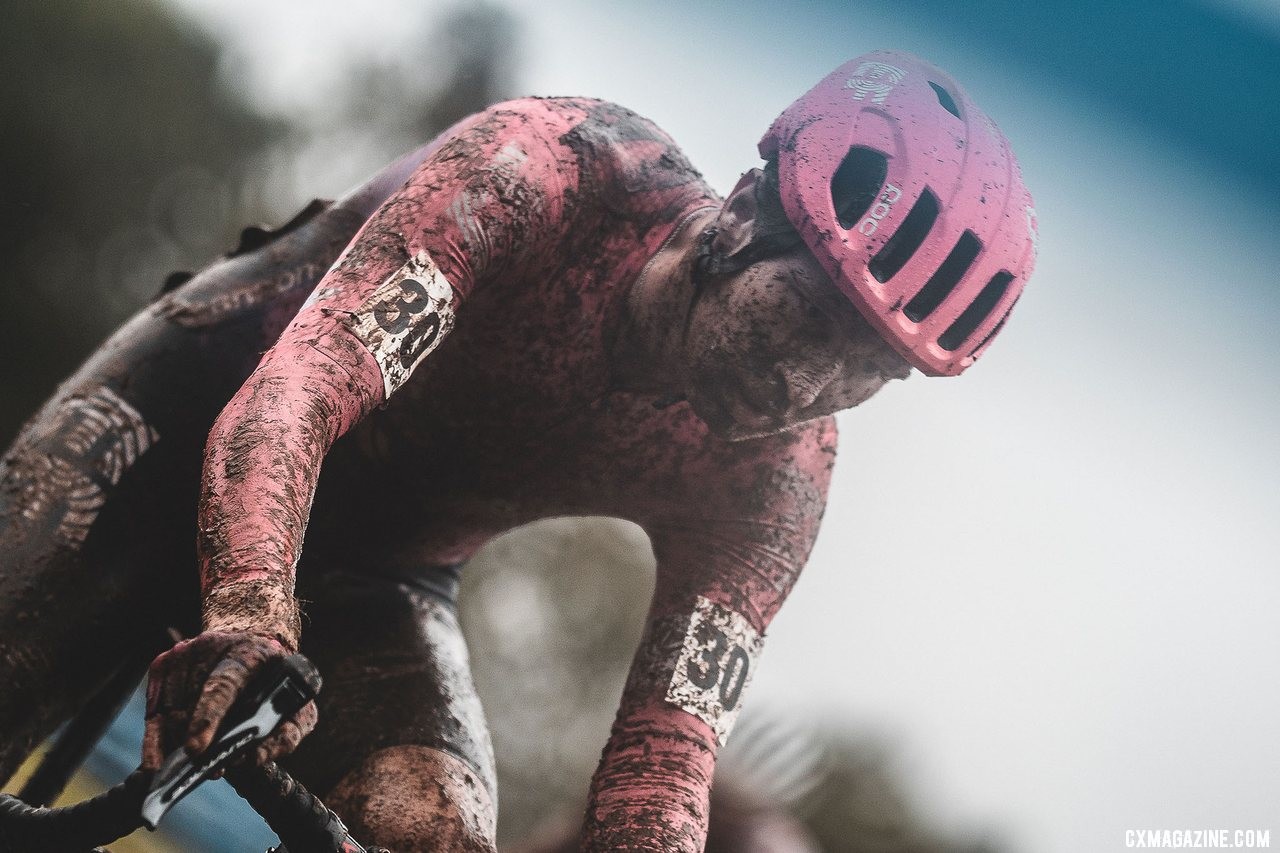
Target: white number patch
column 405, row 319
column 715, row 666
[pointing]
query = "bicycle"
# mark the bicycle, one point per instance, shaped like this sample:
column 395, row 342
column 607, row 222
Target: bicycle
column 302, row 822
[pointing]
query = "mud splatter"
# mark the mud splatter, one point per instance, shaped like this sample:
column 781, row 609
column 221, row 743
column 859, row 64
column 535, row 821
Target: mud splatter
column 253, row 606
column 631, row 164
column 414, row 798
column 87, row 445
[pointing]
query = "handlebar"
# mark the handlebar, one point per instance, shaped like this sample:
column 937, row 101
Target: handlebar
column 106, row 817
column 303, row 823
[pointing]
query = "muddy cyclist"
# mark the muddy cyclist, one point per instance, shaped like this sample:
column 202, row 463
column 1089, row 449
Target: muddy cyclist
column 545, row 311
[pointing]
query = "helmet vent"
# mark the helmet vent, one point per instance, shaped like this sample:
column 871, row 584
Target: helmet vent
column 995, row 330
column 942, row 282
column 944, row 98
column 977, row 312
column 856, row 184
column 899, row 248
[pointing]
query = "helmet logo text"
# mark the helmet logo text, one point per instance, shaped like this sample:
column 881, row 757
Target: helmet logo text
column 875, row 80
column 881, row 209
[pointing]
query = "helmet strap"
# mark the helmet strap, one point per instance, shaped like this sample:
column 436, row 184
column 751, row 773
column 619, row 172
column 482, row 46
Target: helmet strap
column 706, row 263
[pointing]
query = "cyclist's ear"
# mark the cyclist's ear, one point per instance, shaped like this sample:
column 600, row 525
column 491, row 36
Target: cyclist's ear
column 736, row 222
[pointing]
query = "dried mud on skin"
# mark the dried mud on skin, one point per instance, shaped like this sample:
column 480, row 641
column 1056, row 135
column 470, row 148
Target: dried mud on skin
column 414, row 798
column 252, row 606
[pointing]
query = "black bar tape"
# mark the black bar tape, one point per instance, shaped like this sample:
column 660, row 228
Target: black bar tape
column 73, row 829
column 304, row 824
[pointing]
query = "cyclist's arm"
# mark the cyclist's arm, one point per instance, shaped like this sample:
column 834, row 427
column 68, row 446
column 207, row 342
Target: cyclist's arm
column 724, row 568
column 486, row 200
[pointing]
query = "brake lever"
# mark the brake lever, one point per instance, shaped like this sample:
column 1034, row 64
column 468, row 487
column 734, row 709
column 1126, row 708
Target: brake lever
column 276, row 693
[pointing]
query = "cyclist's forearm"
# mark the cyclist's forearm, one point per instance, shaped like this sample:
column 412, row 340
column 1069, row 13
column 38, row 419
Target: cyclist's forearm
column 371, row 320
column 261, row 466
column 685, row 689
column 720, row 581
column 652, row 787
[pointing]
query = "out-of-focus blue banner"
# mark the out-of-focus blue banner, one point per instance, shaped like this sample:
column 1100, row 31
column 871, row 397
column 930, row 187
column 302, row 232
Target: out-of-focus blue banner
column 1204, row 78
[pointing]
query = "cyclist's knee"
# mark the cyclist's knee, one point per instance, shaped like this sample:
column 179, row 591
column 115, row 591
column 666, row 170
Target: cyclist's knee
column 411, row 798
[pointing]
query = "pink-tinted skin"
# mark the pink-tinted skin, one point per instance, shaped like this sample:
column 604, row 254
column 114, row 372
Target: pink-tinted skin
column 540, row 213
column 774, row 344
column 884, row 101
column 741, row 822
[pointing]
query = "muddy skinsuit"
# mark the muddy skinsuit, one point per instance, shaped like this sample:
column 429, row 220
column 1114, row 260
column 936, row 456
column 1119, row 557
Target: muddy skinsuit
column 461, row 342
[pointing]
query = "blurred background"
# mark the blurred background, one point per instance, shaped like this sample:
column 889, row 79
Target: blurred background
column 1042, row 608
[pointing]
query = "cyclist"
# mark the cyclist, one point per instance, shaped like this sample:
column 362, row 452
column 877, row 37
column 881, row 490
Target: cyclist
column 545, row 311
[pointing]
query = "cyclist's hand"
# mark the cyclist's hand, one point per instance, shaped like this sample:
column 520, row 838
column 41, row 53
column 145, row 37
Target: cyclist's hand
column 191, row 687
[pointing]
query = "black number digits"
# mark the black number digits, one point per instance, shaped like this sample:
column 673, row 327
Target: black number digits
column 735, row 678
column 708, row 673
column 394, row 318
column 419, row 340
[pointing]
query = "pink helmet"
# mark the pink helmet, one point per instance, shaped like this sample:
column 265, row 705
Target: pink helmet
column 912, row 201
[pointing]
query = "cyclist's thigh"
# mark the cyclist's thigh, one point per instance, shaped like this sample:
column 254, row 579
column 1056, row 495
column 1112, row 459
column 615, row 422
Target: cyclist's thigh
column 95, row 559
column 402, row 750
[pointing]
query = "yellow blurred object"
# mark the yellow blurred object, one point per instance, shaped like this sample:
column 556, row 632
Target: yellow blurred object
column 84, row 785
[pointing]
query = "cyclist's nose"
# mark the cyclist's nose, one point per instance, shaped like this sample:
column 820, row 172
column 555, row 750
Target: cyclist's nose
column 800, row 386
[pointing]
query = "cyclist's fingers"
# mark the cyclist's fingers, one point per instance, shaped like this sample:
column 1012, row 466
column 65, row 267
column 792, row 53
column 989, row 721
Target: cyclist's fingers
column 153, row 692
column 286, row 738
column 152, row 752
column 162, row 733
column 157, row 676
column 222, row 687
column 178, row 675
column 283, row 742
column 306, row 719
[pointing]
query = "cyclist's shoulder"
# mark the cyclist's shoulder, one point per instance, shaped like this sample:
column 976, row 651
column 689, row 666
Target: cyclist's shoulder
column 609, row 127
column 584, row 124
column 623, row 148
column 551, row 115
column 774, row 473
column 610, row 152
column 575, row 110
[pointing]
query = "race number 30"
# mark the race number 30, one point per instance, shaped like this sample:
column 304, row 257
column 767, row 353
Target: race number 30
column 404, row 319
column 715, row 665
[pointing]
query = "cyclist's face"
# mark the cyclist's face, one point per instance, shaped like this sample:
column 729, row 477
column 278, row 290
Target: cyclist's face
column 776, row 345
